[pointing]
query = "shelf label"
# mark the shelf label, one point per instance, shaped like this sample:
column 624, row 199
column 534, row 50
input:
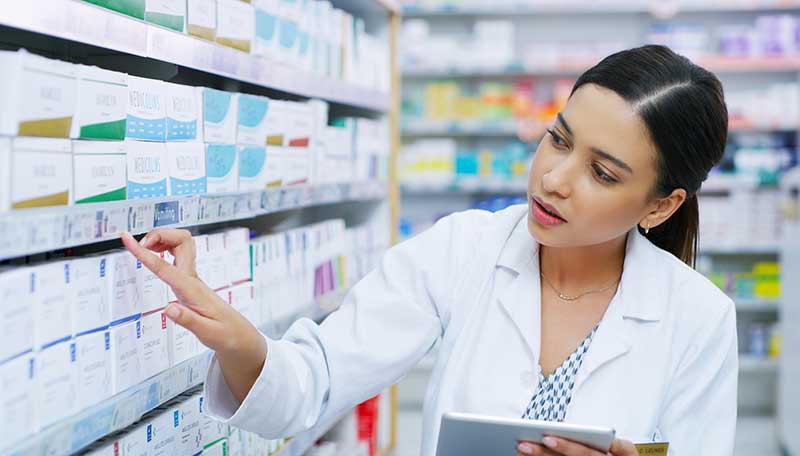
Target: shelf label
column 166, row 213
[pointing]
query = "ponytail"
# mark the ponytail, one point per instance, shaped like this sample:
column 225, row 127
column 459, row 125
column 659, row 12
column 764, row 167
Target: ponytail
column 678, row 235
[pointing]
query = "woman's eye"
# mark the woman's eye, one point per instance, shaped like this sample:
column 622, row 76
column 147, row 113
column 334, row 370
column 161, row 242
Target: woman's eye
column 557, row 140
column 602, row 175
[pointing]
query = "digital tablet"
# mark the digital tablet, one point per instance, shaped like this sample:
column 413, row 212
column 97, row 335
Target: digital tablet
column 464, row 434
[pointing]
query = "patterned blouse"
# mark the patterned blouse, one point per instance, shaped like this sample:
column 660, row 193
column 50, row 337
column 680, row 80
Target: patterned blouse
column 550, row 401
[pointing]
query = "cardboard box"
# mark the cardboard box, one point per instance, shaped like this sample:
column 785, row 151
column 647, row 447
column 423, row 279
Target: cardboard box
column 166, row 13
column 276, row 122
column 220, row 110
column 16, row 312
column 133, row 8
column 136, row 443
column 163, row 435
column 90, row 300
column 235, row 24
column 93, row 351
column 252, row 168
column 41, row 172
column 218, row 448
column 147, row 169
column 100, row 171
column 242, row 298
column 202, row 18
column 101, row 104
column 183, row 344
column 5, row 174
column 17, row 404
column 154, row 290
column 237, row 253
column 183, row 109
column 276, row 166
column 147, row 112
column 265, row 42
column 39, row 95
column 288, row 31
column 187, row 168
column 124, row 286
column 217, row 277
column 51, row 284
column 252, row 128
column 154, row 344
column 189, row 426
column 125, row 363
column 56, row 386
column 222, row 168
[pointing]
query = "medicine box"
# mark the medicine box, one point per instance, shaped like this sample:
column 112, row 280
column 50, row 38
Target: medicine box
column 124, row 286
column 166, row 13
column 163, row 435
column 91, row 306
column 147, row 113
column 133, row 8
column 147, row 169
column 276, row 122
column 235, row 24
column 41, row 172
column 135, row 442
column 297, row 165
column 16, row 312
column 154, row 344
column 218, row 448
column 183, row 110
column 288, row 31
column 252, row 168
column 5, row 174
column 276, row 166
column 220, row 111
column 222, row 168
column 51, row 285
column 102, row 104
column 202, row 18
column 265, row 42
column 39, row 95
column 252, row 120
column 187, row 168
column 189, row 426
column 242, row 298
column 100, row 171
column 93, row 352
column 237, row 254
column 154, row 290
column 182, row 343
column 125, row 364
column 56, row 373
column 217, row 266
column 17, row 404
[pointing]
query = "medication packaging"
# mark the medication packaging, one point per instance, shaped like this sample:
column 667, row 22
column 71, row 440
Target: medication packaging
column 288, row 31
column 93, row 377
column 222, row 168
column 202, row 18
column 147, row 169
column 100, row 171
column 154, row 290
column 133, row 8
column 41, row 172
column 183, row 112
column 39, row 95
column 235, row 24
column 56, row 373
column 51, row 285
column 189, row 426
column 252, row 168
column 237, row 254
column 5, row 175
column 265, row 42
column 162, row 435
column 90, row 300
column 124, row 286
column 147, row 113
column 219, row 115
column 18, row 380
column 242, row 299
column 187, row 168
column 102, row 104
column 217, row 275
column 166, row 13
column 125, row 365
column 182, row 343
column 252, row 120
column 154, row 344
column 16, row 313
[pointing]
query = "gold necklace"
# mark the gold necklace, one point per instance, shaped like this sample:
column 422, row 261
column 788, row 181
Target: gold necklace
column 565, row 297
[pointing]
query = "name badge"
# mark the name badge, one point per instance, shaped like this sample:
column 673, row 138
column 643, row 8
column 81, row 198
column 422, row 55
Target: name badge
column 652, row 449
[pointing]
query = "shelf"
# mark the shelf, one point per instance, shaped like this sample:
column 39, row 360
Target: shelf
column 530, row 9
column 75, row 20
column 757, row 305
column 425, row 127
column 30, row 231
column 754, row 365
column 733, row 249
column 464, row 187
column 77, row 432
column 573, row 67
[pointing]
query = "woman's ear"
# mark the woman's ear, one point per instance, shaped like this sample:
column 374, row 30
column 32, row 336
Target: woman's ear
column 663, row 208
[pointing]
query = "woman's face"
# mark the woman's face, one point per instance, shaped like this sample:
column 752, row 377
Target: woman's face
column 595, row 169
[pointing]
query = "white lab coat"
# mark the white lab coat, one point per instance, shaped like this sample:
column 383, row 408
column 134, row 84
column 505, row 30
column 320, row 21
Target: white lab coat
column 662, row 366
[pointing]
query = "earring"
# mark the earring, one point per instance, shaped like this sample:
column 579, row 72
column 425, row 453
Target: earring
column 647, row 229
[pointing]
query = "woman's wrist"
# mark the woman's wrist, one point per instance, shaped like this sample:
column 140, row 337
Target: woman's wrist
column 242, row 360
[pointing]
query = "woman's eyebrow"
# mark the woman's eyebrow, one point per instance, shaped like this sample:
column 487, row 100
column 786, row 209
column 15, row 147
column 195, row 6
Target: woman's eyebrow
column 612, row 159
column 564, row 123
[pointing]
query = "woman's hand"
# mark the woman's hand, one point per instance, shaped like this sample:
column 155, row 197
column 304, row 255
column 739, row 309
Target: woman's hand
column 240, row 348
column 555, row 446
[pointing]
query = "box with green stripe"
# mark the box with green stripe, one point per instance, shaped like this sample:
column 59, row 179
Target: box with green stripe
column 102, row 104
column 100, row 171
column 166, row 13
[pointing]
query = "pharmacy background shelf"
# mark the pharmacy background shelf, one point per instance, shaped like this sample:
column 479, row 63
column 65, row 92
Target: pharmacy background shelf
column 752, row 364
column 30, row 231
column 75, row 433
column 756, row 305
column 78, row 21
column 530, row 8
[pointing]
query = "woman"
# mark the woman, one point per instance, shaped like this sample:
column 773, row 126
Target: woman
column 580, row 306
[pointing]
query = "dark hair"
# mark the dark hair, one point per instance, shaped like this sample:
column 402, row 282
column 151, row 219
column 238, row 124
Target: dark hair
column 683, row 107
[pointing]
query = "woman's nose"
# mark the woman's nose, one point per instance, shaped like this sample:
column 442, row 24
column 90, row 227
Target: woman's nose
column 558, row 180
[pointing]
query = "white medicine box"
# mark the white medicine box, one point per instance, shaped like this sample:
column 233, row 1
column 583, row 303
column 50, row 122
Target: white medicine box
column 146, row 118
column 16, row 312
column 154, row 353
column 148, row 169
column 91, row 306
column 100, row 171
column 222, row 168
column 102, row 104
column 202, row 18
column 124, row 286
column 187, row 168
column 220, row 112
column 235, row 24
column 52, row 309
column 183, row 109
column 41, row 172
column 125, row 365
column 17, row 404
column 93, row 352
column 56, row 385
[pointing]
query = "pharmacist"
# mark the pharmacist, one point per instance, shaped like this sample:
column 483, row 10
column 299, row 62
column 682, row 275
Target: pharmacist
column 580, row 306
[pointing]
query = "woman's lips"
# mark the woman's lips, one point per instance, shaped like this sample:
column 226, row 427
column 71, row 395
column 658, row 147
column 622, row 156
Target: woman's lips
column 545, row 214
